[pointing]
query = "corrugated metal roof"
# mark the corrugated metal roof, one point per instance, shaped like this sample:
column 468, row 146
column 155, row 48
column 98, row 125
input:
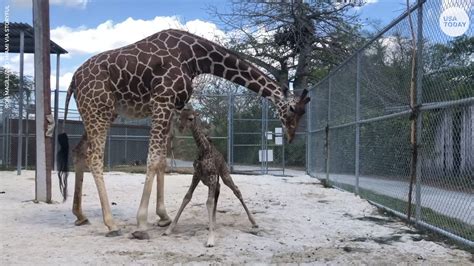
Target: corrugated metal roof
column 14, row 30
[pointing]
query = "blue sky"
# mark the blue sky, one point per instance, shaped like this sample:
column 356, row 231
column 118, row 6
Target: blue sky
column 87, row 27
column 90, row 13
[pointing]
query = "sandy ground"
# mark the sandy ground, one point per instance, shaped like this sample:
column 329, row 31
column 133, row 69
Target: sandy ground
column 300, row 222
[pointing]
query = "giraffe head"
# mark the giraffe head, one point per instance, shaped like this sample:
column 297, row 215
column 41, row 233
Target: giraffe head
column 292, row 112
column 186, row 118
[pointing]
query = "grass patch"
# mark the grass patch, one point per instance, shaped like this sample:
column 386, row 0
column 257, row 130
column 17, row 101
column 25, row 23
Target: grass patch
column 428, row 215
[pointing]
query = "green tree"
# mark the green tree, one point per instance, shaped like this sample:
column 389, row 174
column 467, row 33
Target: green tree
column 10, row 88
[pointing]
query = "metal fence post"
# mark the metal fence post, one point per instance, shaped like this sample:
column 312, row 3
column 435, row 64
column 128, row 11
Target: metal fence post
column 27, row 133
column 126, row 147
column 357, row 129
column 308, row 129
column 263, row 145
column 327, row 130
column 419, row 101
column 230, row 106
column 4, row 135
column 20, row 107
column 56, row 111
column 108, row 148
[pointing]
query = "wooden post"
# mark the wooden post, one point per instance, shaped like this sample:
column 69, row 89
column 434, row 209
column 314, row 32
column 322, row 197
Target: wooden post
column 43, row 100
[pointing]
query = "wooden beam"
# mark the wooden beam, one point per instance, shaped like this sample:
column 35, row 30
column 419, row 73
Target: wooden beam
column 43, row 100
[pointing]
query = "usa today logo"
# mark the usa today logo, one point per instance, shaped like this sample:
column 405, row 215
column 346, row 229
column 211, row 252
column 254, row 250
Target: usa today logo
column 454, row 21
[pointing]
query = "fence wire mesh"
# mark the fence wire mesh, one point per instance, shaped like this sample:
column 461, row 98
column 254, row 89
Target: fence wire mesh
column 360, row 122
column 240, row 125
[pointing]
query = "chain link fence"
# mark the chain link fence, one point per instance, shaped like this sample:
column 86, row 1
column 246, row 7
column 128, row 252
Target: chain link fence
column 241, row 125
column 360, row 122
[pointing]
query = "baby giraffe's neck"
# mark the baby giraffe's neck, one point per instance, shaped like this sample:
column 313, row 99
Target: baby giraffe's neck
column 199, row 136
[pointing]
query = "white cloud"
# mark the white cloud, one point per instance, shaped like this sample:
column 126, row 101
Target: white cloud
column 14, row 64
column 68, row 3
column 110, row 35
column 64, row 80
column 82, row 42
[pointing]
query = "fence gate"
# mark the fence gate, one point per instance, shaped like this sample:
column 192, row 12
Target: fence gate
column 257, row 144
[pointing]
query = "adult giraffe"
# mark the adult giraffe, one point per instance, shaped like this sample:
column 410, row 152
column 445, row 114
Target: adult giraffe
column 152, row 77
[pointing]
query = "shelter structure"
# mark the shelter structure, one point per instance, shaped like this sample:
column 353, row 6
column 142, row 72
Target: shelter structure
column 19, row 38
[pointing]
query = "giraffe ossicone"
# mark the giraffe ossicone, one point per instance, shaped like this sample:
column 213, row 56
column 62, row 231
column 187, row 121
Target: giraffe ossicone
column 153, row 78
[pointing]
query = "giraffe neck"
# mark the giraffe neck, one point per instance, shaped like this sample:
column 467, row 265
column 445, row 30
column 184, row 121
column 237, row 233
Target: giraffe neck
column 225, row 64
column 204, row 57
column 201, row 139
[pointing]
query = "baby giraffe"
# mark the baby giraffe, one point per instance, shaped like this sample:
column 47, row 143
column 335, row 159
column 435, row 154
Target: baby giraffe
column 208, row 167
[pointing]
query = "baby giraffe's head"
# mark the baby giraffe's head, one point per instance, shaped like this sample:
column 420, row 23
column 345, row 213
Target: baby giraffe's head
column 186, row 118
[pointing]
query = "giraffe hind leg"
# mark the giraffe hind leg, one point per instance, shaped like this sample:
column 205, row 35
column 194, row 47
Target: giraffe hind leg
column 80, row 164
column 211, row 202
column 96, row 123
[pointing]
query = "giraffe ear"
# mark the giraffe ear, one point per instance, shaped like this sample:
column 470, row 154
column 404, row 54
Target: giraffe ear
column 292, row 108
column 303, row 95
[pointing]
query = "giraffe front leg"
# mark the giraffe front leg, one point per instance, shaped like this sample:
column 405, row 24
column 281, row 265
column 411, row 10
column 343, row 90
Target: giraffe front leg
column 160, row 199
column 153, row 167
column 156, row 164
column 185, row 202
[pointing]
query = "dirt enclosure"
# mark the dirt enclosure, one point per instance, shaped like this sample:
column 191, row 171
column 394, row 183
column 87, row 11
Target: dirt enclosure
column 299, row 220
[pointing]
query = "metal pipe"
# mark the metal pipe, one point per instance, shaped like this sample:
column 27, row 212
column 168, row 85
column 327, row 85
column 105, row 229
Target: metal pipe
column 27, row 133
column 56, row 112
column 327, row 129
column 357, row 129
column 20, row 107
column 419, row 101
column 229, row 129
column 108, row 148
column 308, row 128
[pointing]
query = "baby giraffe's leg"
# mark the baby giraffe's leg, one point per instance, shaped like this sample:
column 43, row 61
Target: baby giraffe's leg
column 186, row 200
column 227, row 179
column 210, row 209
column 216, row 198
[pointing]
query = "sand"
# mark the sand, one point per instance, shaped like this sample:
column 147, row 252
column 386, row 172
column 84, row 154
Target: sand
column 299, row 220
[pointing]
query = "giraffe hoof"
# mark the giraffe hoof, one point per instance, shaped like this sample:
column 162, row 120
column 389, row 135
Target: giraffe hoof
column 164, row 222
column 114, row 233
column 255, row 226
column 140, row 235
column 81, row 222
column 209, row 244
column 167, row 233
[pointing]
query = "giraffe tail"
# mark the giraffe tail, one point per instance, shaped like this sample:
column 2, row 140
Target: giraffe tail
column 63, row 152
